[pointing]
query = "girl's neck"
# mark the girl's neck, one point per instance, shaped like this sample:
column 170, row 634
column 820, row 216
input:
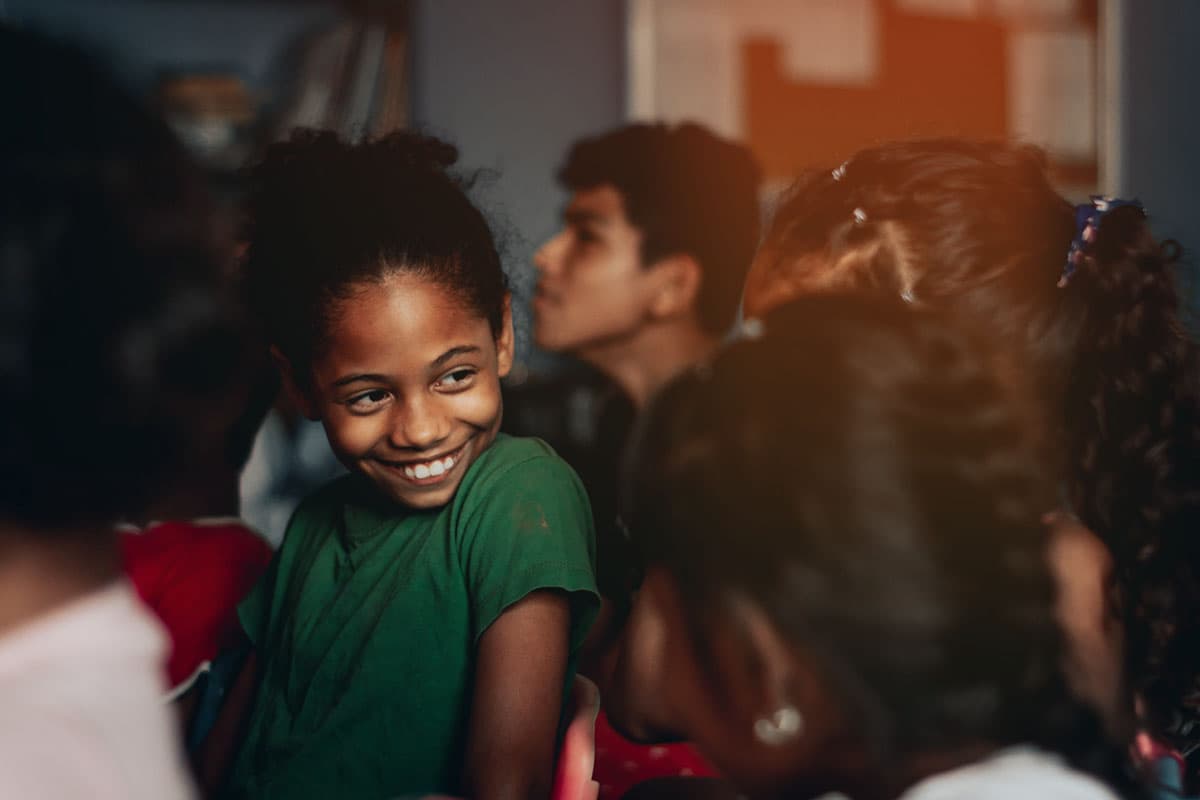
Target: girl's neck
column 645, row 362
column 41, row 570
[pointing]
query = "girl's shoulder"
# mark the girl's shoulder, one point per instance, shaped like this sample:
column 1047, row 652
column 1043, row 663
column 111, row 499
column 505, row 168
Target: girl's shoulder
column 522, row 465
column 509, row 453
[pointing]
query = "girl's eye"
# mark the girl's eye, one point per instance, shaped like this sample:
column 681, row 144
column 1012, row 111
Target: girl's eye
column 368, row 401
column 456, row 379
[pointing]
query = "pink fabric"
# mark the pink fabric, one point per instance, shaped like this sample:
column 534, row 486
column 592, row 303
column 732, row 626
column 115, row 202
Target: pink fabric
column 81, row 713
column 577, row 758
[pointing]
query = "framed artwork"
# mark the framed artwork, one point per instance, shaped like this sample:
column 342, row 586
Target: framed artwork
column 807, row 82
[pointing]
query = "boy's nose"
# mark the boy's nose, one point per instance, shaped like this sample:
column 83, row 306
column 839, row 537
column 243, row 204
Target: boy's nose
column 547, row 257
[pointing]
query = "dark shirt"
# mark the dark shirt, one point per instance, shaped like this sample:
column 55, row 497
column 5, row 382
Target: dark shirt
column 587, row 419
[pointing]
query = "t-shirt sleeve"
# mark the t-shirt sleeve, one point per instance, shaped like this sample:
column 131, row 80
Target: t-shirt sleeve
column 254, row 610
column 530, row 528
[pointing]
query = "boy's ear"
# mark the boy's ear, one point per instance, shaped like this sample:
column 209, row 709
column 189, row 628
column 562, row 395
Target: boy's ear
column 504, row 341
column 294, row 388
column 677, row 281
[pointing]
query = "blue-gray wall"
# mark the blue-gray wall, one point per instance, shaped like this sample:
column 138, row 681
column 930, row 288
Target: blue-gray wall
column 513, row 83
column 1160, row 115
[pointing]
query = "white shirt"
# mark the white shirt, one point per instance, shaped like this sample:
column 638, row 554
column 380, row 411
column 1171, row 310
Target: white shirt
column 1020, row 773
column 81, row 711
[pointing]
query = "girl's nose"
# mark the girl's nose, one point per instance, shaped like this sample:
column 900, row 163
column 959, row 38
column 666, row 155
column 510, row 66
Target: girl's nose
column 419, row 426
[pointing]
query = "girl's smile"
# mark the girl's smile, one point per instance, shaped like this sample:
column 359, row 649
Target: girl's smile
column 408, row 386
column 430, row 471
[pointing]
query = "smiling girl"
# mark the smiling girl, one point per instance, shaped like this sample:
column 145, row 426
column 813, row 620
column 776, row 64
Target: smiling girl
column 418, row 626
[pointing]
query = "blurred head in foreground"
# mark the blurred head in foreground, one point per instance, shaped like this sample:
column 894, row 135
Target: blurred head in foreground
column 847, row 581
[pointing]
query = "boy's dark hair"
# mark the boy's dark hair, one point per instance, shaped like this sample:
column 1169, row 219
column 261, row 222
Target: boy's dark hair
column 976, row 229
column 890, row 478
column 324, row 215
column 116, row 336
column 689, row 192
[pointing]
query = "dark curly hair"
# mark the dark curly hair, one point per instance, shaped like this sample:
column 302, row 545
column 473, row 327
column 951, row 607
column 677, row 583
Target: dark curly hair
column 118, row 337
column 324, row 214
column 688, row 191
column 864, row 475
column 977, row 229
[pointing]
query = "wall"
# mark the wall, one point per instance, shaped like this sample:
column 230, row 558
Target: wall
column 513, row 84
column 1160, row 116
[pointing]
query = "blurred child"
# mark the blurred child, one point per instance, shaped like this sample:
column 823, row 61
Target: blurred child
column 188, row 553
column 1084, row 301
column 417, row 630
column 847, row 584
column 116, row 340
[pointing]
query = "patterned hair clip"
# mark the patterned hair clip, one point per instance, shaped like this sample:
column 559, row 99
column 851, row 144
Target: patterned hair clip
column 1087, row 225
column 840, row 172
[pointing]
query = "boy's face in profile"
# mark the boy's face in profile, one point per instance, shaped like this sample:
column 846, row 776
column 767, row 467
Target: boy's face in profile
column 592, row 286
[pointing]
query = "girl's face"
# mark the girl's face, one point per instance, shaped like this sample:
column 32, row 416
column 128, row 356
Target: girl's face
column 408, row 386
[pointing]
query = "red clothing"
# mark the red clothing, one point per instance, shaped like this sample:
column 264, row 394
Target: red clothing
column 193, row 574
column 621, row 764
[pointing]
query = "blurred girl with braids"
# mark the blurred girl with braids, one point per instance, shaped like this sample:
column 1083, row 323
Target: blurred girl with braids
column 846, row 583
column 1085, row 303
column 417, row 630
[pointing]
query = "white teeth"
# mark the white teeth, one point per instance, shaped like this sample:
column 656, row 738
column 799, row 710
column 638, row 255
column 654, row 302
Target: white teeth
column 430, row 469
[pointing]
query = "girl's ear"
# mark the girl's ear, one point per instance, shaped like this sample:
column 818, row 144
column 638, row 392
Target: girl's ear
column 504, row 341
column 677, row 288
column 294, row 388
column 770, row 664
column 795, row 710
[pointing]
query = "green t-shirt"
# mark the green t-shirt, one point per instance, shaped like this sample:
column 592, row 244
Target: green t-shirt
column 366, row 623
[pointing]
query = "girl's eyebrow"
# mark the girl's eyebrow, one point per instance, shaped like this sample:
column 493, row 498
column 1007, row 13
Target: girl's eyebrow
column 462, row 349
column 366, row 377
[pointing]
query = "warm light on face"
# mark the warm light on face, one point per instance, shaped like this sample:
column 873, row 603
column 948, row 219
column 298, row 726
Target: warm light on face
column 591, row 282
column 408, row 387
